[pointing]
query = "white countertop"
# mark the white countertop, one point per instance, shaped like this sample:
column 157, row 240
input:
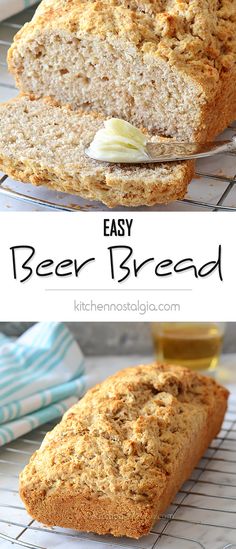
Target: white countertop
column 202, row 514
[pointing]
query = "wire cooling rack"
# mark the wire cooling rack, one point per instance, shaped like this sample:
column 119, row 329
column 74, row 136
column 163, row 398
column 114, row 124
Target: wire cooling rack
column 202, row 515
column 214, row 187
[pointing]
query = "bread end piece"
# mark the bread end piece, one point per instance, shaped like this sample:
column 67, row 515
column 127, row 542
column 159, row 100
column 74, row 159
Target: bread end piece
column 56, row 158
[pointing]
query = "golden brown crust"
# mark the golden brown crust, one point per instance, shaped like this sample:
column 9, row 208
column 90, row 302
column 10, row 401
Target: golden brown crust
column 112, row 192
column 220, row 111
column 119, row 456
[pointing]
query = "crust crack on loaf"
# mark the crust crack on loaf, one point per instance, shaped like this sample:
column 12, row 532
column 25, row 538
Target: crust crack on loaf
column 169, row 65
column 119, row 456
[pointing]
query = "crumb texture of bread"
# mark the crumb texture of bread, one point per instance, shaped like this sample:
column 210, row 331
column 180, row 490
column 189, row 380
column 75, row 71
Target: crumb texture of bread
column 167, row 65
column 43, row 143
column 119, row 456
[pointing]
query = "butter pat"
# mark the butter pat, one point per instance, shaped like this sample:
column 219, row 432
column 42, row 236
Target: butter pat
column 118, row 141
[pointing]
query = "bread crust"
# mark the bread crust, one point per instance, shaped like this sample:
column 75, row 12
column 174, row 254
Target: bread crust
column 120, row 514
column 220, row 111
column 110, row 191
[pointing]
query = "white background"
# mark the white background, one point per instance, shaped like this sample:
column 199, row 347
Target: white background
column 168, row 235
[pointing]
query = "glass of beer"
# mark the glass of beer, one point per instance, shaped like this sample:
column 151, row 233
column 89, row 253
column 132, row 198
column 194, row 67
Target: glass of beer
column 196, row 345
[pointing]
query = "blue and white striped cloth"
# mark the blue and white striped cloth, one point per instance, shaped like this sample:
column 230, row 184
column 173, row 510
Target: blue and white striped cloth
column 41, row 376
column 10, row 7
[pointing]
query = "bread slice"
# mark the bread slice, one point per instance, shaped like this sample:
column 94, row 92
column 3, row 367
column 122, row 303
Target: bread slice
column 119, row 456
column 167, row 65
column 43, row 143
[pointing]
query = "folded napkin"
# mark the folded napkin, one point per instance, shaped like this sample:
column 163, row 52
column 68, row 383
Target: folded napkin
column 41, row 376
column 10, row 7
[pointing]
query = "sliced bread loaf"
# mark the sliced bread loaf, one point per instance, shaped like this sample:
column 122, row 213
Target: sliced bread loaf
column 43, row 143
column 167, row 65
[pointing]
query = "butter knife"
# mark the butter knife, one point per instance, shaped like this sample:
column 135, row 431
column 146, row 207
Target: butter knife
column 173, row 151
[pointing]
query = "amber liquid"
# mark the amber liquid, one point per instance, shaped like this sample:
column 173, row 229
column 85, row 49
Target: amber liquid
column 195, row 345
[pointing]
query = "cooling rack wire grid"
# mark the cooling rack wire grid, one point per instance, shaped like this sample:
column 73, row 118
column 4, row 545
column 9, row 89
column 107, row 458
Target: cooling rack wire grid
column 202, row 515
column 214, row 187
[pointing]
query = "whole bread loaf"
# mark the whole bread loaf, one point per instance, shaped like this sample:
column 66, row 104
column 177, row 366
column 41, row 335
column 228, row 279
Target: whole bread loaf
column 43, row 143
column 119, row 456
column 167, row 65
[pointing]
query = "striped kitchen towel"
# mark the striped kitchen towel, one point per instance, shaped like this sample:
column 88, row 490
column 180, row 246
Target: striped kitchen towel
column 10, row 7
column 41, row 376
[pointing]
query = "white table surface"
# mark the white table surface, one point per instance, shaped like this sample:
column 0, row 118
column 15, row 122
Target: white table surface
column 203, row 511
